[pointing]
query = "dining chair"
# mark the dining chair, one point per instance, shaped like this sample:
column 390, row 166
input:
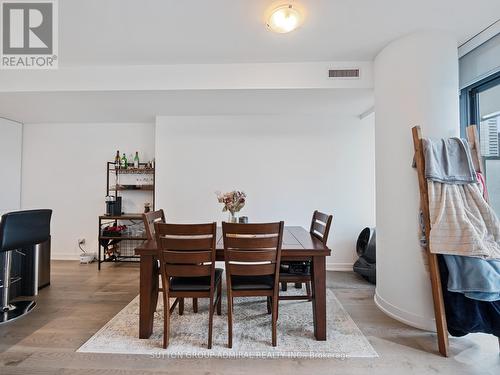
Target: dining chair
column 150, row 218
column 320, row 228
column 187, row 264
column 252, row 253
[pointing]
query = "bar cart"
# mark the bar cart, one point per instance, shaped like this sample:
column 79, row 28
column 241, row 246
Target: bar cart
column 120, row 233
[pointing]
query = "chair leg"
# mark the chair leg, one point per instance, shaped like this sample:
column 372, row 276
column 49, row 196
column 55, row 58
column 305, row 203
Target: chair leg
column 219, row 299
column 269, row 311
column 181, row 305
column 174, row 305
column 210, row 320
column 274, row 318
column 298, row 285
column 166, row 320
column 284, row 287
column 229, row 320
column 195, row 305
column 308, row 290
column 157, row 290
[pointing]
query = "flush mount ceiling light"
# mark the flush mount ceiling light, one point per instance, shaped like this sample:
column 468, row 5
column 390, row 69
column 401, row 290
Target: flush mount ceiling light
column 284, row 19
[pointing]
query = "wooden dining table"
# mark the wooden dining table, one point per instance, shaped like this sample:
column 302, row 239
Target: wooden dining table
column 298, row 245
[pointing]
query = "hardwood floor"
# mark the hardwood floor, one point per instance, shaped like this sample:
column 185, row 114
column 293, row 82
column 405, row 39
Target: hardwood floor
column 81, row 300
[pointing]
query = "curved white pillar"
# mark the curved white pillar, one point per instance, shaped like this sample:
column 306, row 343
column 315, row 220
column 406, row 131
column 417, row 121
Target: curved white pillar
column 416, row 83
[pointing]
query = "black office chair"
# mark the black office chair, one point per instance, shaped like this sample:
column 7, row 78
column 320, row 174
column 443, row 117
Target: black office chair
column 19, row 230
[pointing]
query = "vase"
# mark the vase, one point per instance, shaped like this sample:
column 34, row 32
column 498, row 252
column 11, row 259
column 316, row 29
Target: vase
column 231, row 218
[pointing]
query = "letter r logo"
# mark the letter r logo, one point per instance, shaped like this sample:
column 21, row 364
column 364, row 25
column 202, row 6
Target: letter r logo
column 27, row 28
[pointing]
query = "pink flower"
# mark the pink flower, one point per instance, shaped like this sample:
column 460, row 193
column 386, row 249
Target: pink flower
column 233, row 201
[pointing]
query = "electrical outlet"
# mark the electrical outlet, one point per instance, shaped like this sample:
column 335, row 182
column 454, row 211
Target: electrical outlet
column 81, row 241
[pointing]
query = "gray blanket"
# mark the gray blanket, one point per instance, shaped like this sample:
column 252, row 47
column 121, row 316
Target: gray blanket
column 448, row 161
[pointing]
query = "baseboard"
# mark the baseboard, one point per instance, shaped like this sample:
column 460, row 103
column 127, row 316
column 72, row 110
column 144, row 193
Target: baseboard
column 339, row 267
column 404, row 316
column 57, row 256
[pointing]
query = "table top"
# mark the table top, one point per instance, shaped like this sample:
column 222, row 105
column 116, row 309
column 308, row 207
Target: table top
column 297, row 242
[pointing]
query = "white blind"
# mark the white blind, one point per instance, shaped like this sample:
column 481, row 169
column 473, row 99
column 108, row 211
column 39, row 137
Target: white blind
column 480, row 62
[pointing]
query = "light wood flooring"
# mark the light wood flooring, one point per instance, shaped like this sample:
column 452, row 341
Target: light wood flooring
column 81, row 300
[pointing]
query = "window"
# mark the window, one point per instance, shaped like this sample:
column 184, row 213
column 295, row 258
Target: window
column 481, row 106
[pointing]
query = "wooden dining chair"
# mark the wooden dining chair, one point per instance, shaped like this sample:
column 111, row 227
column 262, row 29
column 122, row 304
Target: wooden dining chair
column 187, row 264
column 320, row 228
column 150, row 218
column 252, row 253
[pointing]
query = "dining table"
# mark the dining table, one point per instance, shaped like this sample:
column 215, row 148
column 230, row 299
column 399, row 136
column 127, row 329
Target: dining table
column 298, row 245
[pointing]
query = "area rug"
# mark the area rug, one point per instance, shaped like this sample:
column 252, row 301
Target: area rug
column 251, row 332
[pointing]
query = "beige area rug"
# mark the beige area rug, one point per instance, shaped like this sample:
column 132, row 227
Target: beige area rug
column 251, row 332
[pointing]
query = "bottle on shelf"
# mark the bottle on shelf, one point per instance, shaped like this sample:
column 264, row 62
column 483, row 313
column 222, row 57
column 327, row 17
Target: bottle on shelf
column 136, row 160
column 124, row 162
column 117, row 160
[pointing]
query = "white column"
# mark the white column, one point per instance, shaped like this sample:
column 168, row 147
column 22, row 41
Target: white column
column 416, row 83
column 11, row 143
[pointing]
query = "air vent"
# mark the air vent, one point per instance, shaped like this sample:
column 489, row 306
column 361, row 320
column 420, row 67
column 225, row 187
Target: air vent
column 343, row 73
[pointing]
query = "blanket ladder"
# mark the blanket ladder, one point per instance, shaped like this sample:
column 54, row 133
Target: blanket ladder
column 437, row 292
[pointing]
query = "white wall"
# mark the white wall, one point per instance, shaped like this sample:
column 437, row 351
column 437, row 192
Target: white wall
column 288, row 166
column 290, row 75
column 416, row 83
column 64, row 169
column 11, row 141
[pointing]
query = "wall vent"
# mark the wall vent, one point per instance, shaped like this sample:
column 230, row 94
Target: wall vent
column 343, row 73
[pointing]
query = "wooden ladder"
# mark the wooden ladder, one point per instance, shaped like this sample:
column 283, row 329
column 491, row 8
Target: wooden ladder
column 437, row 292
column 475, row 147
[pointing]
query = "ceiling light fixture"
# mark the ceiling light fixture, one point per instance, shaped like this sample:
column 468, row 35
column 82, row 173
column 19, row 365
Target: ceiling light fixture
column 284, row 19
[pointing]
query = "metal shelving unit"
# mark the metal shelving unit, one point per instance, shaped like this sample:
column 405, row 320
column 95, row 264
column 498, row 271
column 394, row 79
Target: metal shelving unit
column 120, row 247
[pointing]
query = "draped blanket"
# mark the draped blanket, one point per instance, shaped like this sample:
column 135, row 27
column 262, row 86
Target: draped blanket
column 465, row 315
column 462, row 222
column 448, row 161
column 466, row 229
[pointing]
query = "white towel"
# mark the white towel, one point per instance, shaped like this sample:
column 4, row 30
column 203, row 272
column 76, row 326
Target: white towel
column 462, row 222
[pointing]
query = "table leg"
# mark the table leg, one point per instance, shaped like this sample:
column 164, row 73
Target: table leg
column 319, row 297
column 148, row 295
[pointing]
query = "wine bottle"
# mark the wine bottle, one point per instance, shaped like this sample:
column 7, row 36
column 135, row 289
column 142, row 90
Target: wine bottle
column 124, row 162
column 136, row 160
column 117, row 160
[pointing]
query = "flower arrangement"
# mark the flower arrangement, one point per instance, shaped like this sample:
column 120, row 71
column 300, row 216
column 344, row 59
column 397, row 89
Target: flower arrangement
column 233, row 201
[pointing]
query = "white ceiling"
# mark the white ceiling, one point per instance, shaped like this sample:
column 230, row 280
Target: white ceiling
column 122, row 32
column 142, row 106
column 161, row 32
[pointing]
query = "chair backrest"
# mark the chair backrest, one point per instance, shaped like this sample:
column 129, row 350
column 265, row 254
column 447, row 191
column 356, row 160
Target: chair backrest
column 320, row 226
column 150, row 218
column 186, row 250
column 22, row 229
column 252, row 249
